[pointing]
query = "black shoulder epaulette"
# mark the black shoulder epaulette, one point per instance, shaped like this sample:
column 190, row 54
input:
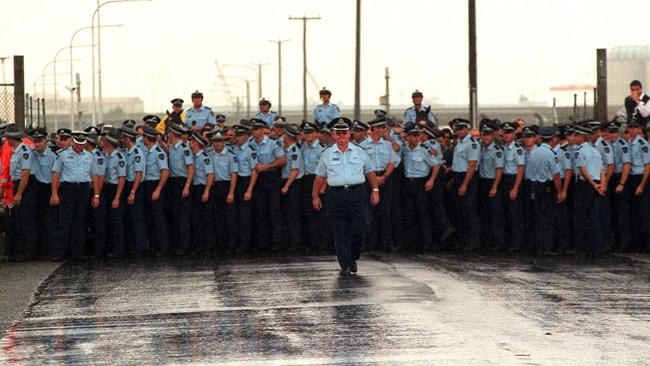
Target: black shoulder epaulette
column 206, row 107
column 119, row 155
column 279, row 143
column 183, row 145
column 231, row 151
column 24, row 148
column 251, row 147
column 604, row 142
column 158, row 148
column 363, row 148
column 322, row 144
column 622, row 142
column 498, row 147
column 136, row 150
column 642, row 141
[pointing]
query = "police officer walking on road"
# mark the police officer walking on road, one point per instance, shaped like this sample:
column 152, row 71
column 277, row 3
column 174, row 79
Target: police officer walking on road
column 345, row 167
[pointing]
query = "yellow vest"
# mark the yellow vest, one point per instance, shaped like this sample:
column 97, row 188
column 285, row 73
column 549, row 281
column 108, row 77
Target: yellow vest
column 162, row 126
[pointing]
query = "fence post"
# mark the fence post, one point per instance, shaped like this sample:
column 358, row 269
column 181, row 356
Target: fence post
column 19, row 91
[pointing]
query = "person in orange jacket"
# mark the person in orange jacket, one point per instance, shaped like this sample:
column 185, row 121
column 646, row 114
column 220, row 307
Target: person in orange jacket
column 6, row 185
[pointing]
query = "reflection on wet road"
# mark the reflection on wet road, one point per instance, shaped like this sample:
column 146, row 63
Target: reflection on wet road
column 398, row 310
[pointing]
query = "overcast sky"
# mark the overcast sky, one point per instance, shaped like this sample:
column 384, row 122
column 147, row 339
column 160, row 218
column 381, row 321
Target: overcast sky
column 167, row 48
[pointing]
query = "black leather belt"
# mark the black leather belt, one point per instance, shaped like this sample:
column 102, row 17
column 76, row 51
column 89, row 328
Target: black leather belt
column 347, row 187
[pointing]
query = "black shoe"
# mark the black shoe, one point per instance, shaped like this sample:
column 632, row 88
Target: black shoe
column 345, row 271
column 353, row 268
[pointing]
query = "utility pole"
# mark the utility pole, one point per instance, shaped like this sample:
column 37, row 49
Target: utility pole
column 280, row 42
column 304, row 60
column 473, row 87
column 259, row 80
column 357, row 66
column 601, row 75
column 387, row 96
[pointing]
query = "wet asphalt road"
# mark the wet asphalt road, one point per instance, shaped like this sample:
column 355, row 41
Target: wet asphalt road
column 416, row 310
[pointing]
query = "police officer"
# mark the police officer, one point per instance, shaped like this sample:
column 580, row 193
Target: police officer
column 223, row 192
column 562, row 220
column 513, row 175
column 22, row 233
column 464, row 165
column 418, row 112
column 546, row 189
column 177, row 115
column 114, row 183
column 266, row 114
column 71, row 190
column 203, row 235
column 384, row 159
column 155, row 178
column 590, row 191
column 607, row 155
column 359, row 132
column 421, row 169
column 620, row 192
column 198, row 115
column 326, row 111
column 530, row 144
column 266, row 201
column 44, row 159
column 490, row 191
column 638, row 183
column 246, row 159
column 220, row 119
column 133, row 197
column 292, row 173
column 428, row 138
column 97, row 211
column 179, row 201
column 316, row 227
column 345, row 166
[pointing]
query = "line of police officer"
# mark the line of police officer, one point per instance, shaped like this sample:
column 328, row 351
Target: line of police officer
column 201, row 187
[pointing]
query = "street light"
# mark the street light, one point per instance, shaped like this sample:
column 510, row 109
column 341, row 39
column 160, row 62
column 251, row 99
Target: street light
column 71, row 63
column 100, row 110
column 257, row 70
column 56, row 100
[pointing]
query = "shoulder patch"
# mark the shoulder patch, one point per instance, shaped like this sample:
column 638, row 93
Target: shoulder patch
column 624, row 148
column 520, row 152
column 607, row 150
column 254, row 155
column 294, row 157
column 121, row 163
column 474, row 145
column 279, row 143
column 186, row 152
column 577, row 154
column 568, row 155
column 499, row 154
column 100, row 161
column 25, row 155
column 137, row 158
column 645, row 149
column 161, row 156
column 206, row 161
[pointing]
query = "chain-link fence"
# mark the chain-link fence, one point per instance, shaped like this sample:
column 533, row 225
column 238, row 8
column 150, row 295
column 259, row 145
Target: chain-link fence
column 7, row 102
